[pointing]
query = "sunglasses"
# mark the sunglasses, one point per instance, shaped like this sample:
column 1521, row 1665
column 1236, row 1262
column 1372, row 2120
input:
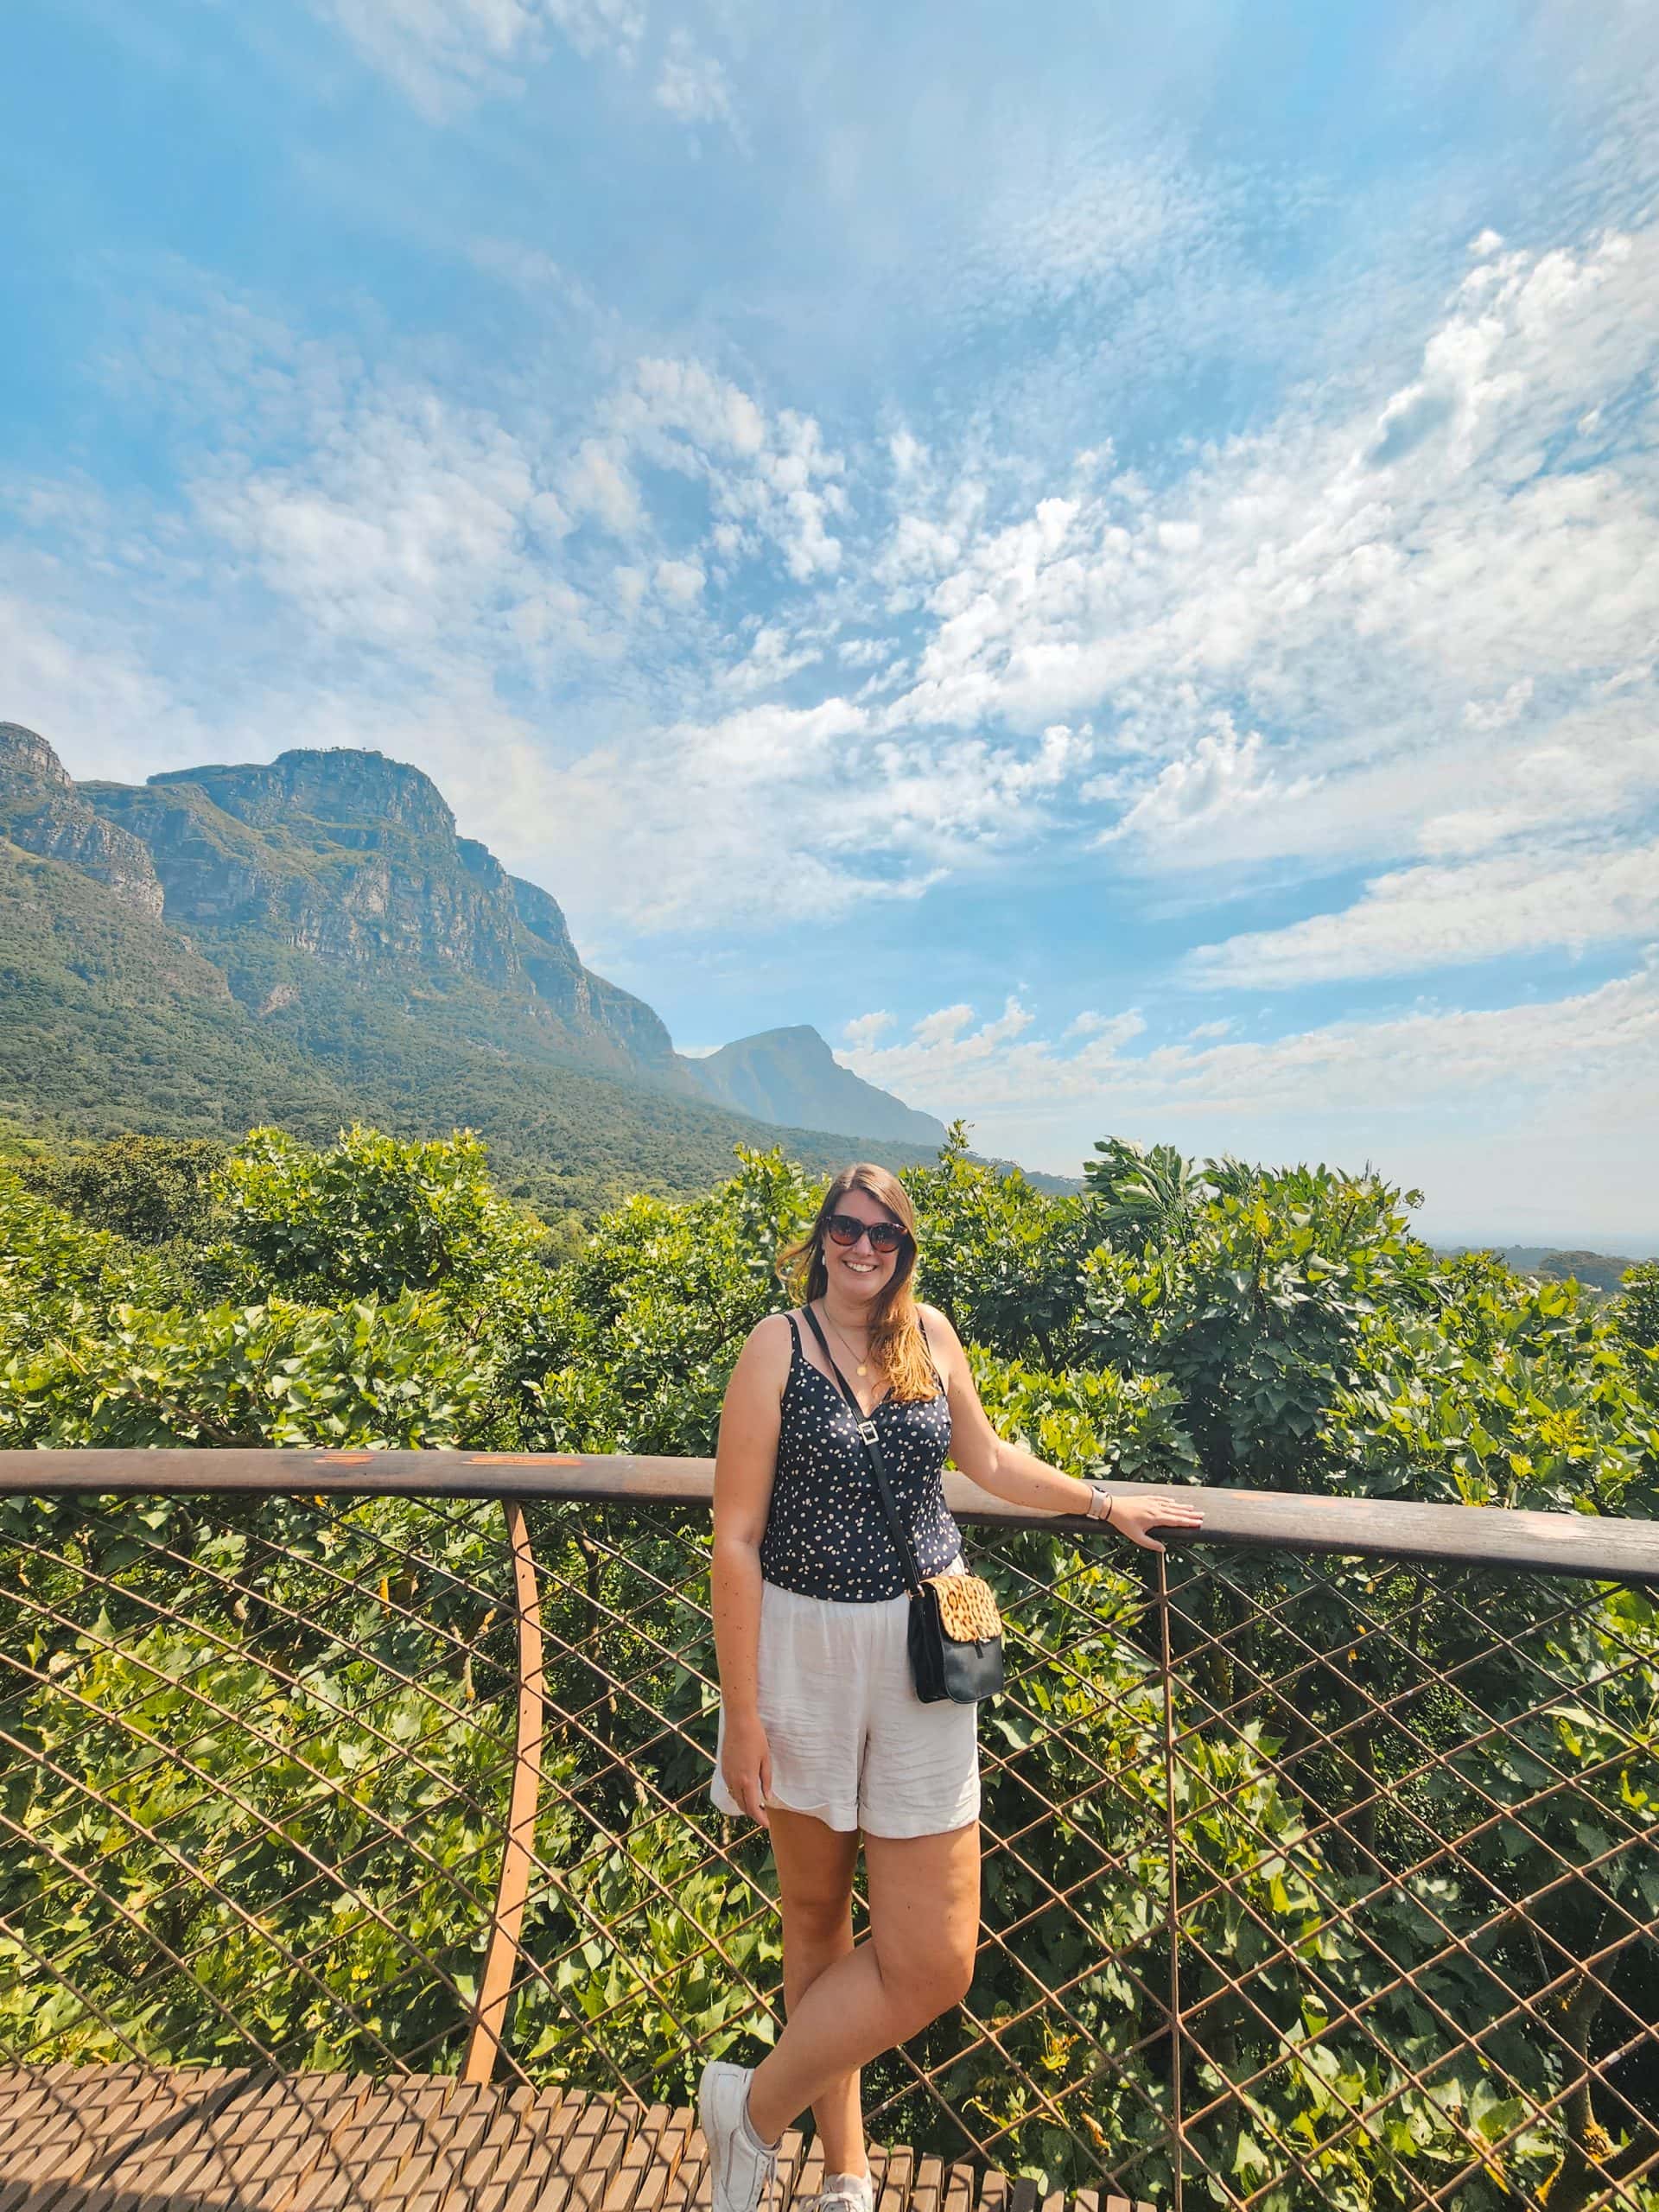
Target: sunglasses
column 884, row 1236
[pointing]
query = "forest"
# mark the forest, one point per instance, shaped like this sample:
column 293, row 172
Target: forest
column 1177, row 1321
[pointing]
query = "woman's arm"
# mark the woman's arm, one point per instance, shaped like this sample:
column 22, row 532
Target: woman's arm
column 746, row 1461
column 1021, row 1478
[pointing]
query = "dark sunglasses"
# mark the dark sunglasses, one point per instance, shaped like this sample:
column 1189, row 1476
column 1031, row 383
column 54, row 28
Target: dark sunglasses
column 884, row 1236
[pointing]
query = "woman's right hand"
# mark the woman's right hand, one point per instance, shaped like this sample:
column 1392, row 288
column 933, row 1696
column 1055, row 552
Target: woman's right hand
column 746, row 1765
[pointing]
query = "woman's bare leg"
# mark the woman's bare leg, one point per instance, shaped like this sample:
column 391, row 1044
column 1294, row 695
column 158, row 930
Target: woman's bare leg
column 917, row 1962
column 814, row 1891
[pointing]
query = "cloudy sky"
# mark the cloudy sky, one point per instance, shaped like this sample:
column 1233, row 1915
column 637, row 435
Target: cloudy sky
column 1106, row 557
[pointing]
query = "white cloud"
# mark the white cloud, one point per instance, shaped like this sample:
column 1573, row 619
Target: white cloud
column 403, row 511
column 533, row 274
column 598, row 483
column 1407, row 1062
column 1377, row 617
column 681, row 580
column 1426, row 918
column 756, row 818
column 992, row 1065
column 1599, row 764
column 771, row 481
column 1453, row 1098
column 89, row 691
column 760, row 741
column 692, row 85
column 1225, row 774
column 1283, row 652
column 773, row 655
column 1499, row 714
column 443, row 54
column 865, row 1028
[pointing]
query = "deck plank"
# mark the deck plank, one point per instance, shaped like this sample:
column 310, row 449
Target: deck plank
column 928, row 2187
column 65, row 2143
column 133, row 2139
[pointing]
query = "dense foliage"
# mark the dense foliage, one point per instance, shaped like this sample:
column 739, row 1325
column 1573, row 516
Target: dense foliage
column 1176, row 1321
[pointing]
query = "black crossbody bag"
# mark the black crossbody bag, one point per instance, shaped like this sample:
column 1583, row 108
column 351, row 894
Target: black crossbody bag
column 954, row 1632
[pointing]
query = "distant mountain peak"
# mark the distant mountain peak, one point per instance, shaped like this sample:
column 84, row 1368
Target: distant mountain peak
column 791, row 1076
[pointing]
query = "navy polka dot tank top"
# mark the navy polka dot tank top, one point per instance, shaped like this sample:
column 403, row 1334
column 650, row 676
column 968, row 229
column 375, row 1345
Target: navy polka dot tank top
column 825, row 1534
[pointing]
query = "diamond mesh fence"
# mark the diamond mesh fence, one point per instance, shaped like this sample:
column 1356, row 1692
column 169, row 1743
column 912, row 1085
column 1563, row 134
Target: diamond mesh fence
column 1306, row 1879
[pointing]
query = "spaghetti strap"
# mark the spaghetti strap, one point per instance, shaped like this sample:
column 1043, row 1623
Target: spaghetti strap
column 794, row 1329
column 928, row 1349
column 842, row 1384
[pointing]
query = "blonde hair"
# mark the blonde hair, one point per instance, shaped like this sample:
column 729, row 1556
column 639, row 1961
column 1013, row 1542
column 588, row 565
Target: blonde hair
column 898, row 1352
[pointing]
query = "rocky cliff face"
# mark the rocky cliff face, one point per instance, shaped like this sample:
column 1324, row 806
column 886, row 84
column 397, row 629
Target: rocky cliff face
column 42, row 810
column 582, row 997
column 354, row 859
column 338, row 791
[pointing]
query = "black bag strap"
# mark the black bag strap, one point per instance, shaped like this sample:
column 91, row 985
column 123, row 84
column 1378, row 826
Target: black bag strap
column 872, row 1443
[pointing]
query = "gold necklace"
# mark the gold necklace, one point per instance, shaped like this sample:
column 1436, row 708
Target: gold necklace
column 862, row 1365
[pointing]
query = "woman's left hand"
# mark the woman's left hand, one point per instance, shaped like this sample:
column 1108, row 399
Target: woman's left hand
column 1134, row 1516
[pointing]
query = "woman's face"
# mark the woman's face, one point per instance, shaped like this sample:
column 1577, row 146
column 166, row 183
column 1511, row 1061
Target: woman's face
column 857, row 1274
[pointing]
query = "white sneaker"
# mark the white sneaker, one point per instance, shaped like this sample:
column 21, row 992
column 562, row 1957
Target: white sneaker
column 741, row 2167
column 846, row 2193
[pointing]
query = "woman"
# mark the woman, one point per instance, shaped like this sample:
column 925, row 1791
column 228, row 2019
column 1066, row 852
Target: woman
column 822, row 1735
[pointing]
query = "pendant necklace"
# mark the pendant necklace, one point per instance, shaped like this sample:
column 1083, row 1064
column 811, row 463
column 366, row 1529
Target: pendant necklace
column 860, row 1366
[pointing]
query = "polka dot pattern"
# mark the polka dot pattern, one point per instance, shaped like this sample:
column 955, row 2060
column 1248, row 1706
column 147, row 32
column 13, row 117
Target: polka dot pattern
column 826, row 1535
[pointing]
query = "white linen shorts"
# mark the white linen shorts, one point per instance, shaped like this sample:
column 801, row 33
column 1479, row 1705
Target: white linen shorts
column 851, row 1742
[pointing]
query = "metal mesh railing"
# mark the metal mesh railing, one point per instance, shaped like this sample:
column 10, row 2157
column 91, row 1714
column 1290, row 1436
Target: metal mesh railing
column 1312, row 1872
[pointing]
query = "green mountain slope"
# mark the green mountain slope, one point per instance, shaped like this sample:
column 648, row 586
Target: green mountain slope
column 309, row 941
column 111, row 1018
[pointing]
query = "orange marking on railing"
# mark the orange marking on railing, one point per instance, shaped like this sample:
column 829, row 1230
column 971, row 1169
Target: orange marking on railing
column 524, row 1458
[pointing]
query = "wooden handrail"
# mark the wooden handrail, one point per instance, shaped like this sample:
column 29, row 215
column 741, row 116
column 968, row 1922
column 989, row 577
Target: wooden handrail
column 1591, row 1547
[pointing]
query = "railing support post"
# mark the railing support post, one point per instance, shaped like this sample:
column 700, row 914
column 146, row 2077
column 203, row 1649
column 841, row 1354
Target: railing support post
column 1177, row 2042
column 495, row 1989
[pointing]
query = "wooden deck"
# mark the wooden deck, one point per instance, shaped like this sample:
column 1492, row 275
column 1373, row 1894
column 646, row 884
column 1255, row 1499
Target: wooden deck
column 129, row 2138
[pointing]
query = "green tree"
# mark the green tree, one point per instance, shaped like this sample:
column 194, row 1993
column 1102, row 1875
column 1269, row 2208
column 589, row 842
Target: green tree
column 370, row 1217
column 1154, row 1195
column 632, row 1348
column 148, row 1189
column 1638, row 1312
column 1000, row 1257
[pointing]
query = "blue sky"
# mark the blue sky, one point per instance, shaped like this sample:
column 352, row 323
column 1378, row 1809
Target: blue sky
column 1107, row 558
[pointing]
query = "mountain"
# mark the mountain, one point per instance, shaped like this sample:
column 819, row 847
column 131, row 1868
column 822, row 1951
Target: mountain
column 43, row 811
column 352, row 861
column 791, row 1075
column 311, row 941
column 1604, row 1271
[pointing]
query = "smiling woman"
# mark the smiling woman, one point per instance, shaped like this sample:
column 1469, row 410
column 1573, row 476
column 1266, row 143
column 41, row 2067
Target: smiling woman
column 823, row 1734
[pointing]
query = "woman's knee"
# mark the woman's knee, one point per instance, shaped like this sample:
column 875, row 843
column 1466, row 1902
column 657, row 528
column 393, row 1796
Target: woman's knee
column 815, row 1883
column 921, row 1983
column 818, row 1921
